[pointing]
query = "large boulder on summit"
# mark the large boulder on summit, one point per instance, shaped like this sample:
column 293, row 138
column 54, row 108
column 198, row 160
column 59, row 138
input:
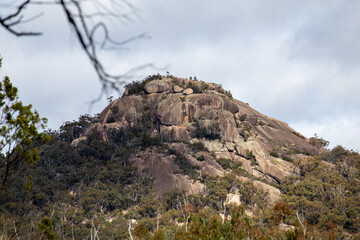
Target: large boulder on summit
column 205, row 125
column 156, row 86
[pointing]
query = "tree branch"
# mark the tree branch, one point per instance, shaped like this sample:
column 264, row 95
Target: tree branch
column 86, row 24
column 8, row 24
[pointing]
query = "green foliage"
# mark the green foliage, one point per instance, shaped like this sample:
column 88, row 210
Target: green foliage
column 201, row 158
column 137, row 87
column 252, row 196
column 318, row 142
column 245, row 131
column 226, row 93
column 286, row 158
column 211, row 132
column 252, row 158
column 141, row 232
column 198, row 87
column 186, row 166
column 274, row 153
column 47, row 228
column 138, row 136
column 243, row 117
column 227, row 163
column 207, row 225
column 198, row 146
column 298, row 135
column 72, row 130
column 92, row 180
column 324, row 193
column 19, row 133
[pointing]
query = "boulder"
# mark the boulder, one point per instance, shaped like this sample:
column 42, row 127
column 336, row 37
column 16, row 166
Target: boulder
column 274, row 193
column 177, row 89
column 156, row 86
column 172, row 111
column 230, row 146
column 188, row 91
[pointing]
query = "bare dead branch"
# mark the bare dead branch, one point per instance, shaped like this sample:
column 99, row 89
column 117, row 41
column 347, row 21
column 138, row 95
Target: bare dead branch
column 91, row 30
column 15, row 19
column 18, row 11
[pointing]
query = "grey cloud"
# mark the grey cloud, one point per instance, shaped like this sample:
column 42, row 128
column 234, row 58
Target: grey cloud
column 329, row 34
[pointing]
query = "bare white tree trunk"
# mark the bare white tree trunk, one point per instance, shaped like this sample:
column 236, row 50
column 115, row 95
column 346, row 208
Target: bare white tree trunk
column 224, row 207
column 186, row 211
column 31, row 229
column 96, row 230
column 72, row 230
column 4, row 230
column 302, row 225
column 130, row 230
column 157, row 220
column 17, row 236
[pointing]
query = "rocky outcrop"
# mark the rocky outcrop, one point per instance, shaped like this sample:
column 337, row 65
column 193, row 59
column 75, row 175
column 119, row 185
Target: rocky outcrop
column 189, row 112
column 156, row 86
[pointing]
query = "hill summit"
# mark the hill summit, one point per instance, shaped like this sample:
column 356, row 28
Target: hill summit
column 208, row 132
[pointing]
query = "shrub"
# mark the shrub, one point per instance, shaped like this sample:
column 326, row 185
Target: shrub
column 298, row 135
column 274, row 153
column 227, row 163
column 318, row 142
column 211, row 132
column 199, row 146
column 286, row 158
column 252, row 158
column 243, row 117
column 137, row 87
column 186, row 167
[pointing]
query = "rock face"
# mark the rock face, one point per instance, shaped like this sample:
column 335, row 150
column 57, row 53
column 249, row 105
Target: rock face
column 205, row 114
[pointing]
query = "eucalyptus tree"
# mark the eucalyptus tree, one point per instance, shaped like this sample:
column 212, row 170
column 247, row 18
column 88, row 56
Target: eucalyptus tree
column 19, row 132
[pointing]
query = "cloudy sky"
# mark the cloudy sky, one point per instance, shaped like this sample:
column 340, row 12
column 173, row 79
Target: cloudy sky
column 297, row 61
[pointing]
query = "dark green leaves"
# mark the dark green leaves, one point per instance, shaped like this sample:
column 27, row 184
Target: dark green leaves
column 18, row 132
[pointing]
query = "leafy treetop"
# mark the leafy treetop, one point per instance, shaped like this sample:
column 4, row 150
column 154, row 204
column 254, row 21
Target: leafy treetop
column 18, row 132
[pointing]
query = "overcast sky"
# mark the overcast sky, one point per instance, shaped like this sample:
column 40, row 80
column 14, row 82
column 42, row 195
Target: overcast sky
column 297, row 61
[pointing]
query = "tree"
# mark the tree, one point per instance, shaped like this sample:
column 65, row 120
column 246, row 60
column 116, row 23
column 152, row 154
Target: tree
column 18, row 132
column 89, row 20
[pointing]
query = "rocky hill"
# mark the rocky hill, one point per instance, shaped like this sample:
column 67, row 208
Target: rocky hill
column 176, row 158
column 188, row 114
